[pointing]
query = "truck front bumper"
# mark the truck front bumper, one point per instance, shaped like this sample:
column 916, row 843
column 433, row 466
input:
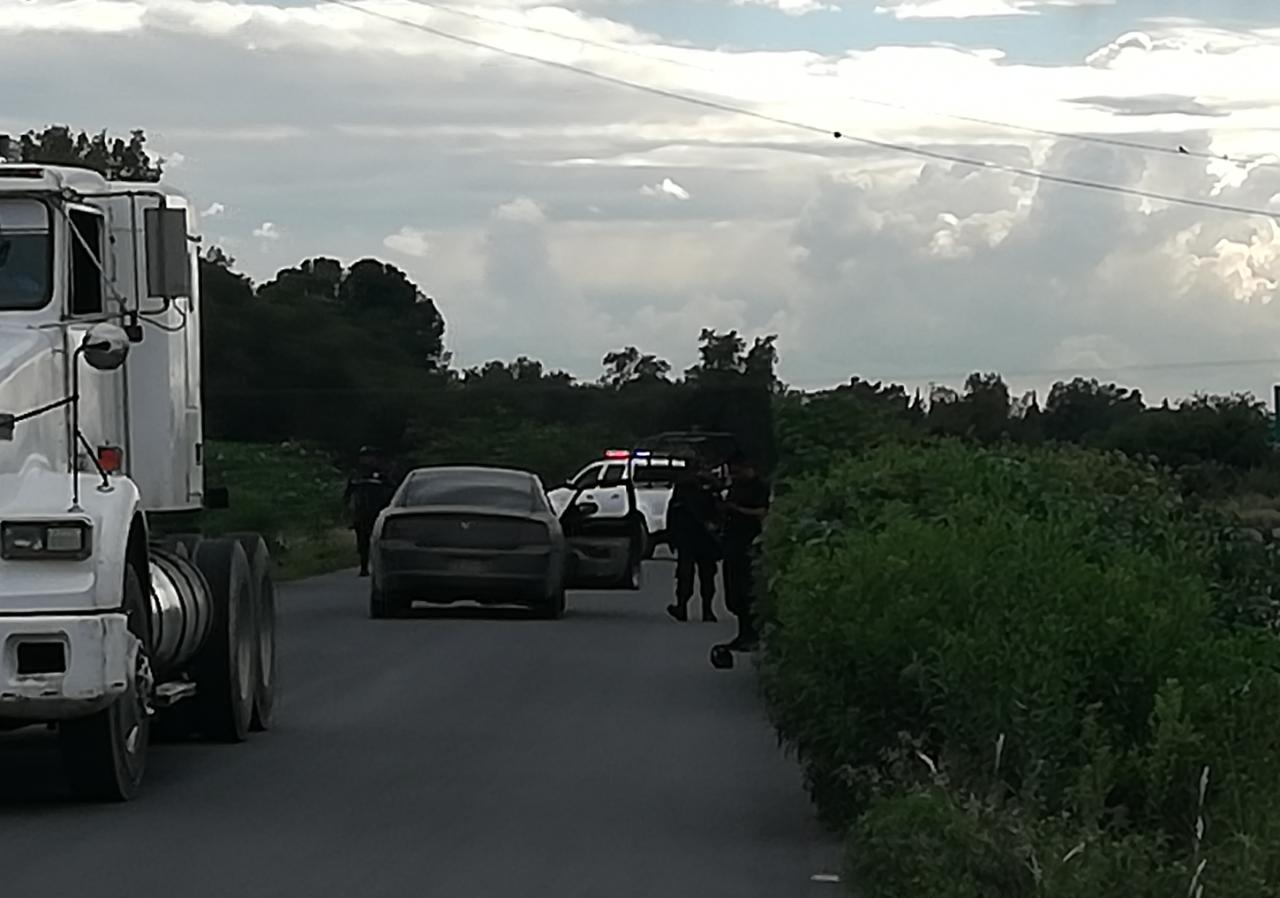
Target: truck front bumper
column 54, row 667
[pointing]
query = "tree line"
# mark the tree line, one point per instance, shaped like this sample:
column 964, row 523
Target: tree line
column 1215, row 442
column 345, row 355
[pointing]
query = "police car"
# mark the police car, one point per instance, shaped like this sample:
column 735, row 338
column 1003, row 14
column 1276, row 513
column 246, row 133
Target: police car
column 626, row 485
column 634, row 485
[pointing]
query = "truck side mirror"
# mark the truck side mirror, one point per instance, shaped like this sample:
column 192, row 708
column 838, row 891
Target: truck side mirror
column 168, row 258
column 105, row 346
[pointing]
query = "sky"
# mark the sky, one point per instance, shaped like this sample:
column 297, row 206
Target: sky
column 561, row 215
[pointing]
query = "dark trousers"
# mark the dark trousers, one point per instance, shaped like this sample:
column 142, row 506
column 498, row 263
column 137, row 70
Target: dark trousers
column 686, row 565
column 739, row 590
column 363, row 535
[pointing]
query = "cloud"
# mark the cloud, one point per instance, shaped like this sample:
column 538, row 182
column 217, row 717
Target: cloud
column 521, row 210
column 975, row 9
column 1129, row 288
column 409, row 241
column 1154, row 104
column 214, row 209
column 267, row 231
column 524, row 180
column 1134, row 41
column 790, row 7
column 667, row 188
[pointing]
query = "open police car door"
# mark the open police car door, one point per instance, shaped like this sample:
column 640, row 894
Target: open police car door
column 602, row 528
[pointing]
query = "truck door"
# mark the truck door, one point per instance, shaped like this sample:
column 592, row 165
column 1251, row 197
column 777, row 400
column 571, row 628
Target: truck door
column 102, row 405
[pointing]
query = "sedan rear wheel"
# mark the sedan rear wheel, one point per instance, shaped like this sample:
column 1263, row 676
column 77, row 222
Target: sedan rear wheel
column 554, row 606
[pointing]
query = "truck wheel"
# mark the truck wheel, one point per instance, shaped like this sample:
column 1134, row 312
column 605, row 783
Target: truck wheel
column 264, row 607
column 224, row 667
column 106, row 753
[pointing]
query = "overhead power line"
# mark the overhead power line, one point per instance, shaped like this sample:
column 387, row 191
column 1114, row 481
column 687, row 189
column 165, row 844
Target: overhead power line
column 721, row 106
column 1117, row 142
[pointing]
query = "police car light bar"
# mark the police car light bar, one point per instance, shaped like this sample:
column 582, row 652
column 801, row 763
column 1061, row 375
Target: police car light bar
column 617, row 453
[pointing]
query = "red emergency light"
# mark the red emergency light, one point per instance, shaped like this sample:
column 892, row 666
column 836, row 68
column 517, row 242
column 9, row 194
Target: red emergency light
column 617, row 453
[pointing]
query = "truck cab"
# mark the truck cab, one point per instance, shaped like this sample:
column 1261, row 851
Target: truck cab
column 104, row 620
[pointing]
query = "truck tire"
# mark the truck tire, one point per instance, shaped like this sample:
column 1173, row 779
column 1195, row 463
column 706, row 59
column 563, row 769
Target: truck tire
column 265, row 672
column 224, row 668
column 105, row 754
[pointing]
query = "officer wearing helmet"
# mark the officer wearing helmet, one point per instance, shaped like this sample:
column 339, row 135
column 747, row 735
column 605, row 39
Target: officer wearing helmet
column 369, row 490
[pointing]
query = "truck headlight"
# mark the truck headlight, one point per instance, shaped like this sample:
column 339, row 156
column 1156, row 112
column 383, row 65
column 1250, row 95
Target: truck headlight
column 45, row 540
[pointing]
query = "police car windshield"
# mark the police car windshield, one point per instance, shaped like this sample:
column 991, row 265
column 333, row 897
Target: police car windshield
column 26, row 255
column 505, row 490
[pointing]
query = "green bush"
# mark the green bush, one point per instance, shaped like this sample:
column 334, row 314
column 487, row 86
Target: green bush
column 290, row 493
column 1065, row 606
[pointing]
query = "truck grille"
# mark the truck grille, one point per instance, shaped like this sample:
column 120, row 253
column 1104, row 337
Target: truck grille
column 453, row 531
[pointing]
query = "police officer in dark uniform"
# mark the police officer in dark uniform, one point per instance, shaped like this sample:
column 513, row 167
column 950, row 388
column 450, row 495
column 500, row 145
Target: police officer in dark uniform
column 692, row 523
column 745, row 508
column 369, row 490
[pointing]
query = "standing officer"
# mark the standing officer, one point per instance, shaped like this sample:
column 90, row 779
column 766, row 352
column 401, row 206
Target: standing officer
column 692, row 524
column 745, row 508
column 369, row 490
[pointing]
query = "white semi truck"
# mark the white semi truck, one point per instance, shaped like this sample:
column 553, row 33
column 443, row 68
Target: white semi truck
column 114, row 615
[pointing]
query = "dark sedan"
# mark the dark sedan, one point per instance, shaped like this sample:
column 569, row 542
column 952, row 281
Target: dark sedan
column 479, row 534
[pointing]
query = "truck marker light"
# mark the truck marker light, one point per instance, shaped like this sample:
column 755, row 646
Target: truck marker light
column 111, row 458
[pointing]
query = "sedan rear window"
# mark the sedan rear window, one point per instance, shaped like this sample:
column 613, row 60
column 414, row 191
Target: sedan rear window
column 506, row 493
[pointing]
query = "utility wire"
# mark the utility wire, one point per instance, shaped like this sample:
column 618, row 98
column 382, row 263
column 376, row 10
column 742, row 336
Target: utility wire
column 1119, row 142
column 721, row 106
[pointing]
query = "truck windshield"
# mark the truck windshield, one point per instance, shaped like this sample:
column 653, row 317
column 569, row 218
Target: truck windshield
column 26, row 255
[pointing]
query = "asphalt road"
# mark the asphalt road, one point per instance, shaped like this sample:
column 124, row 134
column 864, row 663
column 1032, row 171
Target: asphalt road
column 454, row 755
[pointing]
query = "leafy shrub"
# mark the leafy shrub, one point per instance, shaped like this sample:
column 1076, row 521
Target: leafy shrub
column 279, row 490
column 1068, row 606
